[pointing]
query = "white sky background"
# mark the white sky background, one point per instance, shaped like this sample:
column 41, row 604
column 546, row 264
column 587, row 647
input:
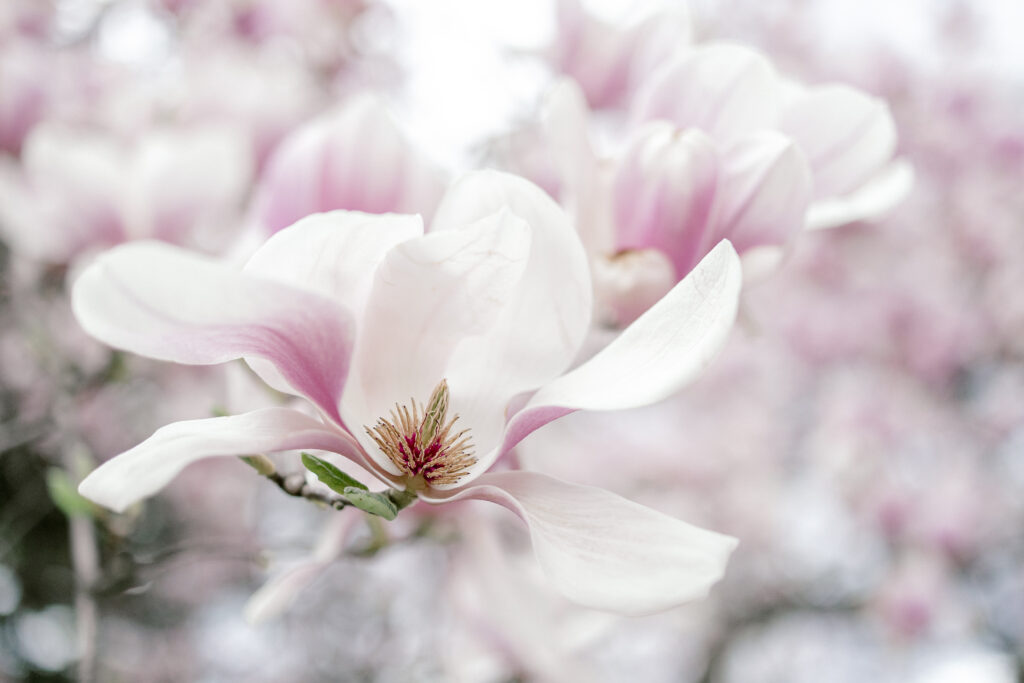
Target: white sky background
column 463, row 85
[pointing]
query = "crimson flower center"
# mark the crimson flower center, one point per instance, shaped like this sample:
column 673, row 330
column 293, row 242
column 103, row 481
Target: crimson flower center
column 422, row 443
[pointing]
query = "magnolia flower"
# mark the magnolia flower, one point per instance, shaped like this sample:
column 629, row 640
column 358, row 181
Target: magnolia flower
column 650, row 213
column 429, row 357
column 847, row 136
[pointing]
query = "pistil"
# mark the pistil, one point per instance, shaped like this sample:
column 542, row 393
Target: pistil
column 422, row 443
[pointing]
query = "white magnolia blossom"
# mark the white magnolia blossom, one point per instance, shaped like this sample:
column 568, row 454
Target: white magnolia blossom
column 367, row 316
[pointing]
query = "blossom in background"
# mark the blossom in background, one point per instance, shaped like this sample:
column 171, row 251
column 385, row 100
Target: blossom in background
column 607, row 55
column 78, row 189
column 365, row 315
column 354, row 157
column 733, row 92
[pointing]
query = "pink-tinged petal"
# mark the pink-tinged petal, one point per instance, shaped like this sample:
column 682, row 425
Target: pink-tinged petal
column 538, row 333
column 278, row 594
column 870, row 201
column 583, row 178
column 664, row 194
column 605, row 54
column 334, row 254
column 724, row 89
column 603, row 551
column 565, row 119
column 663, row 350
column 847, row 135
column 26, row 95
column 167, row 303
column 352, row 158
column 429, row 296
column 147, row 468
column 765, row 191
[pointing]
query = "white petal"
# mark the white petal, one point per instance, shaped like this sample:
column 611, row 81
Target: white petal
column 167, row 303
column 539, row 332
column 335, row 253
column 663, row 350
column 765, row 191
column 565, row 119
column 847, row 135
column 147, row 468
column 603, row 551
column 429, row 296
column 727, row 90
column 870, row 201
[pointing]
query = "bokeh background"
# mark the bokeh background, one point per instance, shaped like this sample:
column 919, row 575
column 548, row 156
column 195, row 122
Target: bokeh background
column 862, row 434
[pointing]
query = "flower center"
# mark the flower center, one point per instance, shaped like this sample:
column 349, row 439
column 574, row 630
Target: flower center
column 420, row 441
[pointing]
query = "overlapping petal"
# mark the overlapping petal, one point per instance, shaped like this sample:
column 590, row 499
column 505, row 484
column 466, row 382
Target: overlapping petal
column 352, row 158
column 847, row 135
column 871, row 200
column 145, row 469
column 334, row 253
column 664, row 193
column 765, row 191
column 724, row 89
column 606, row 552
column 537, row 334
column 429, row 296
column 166, row 303
column 658, row 354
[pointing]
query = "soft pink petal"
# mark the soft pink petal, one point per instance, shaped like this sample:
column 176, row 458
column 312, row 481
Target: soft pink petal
column 606, row 552
column 663, row 350
column 664, row 194
column 724, row 89
column 605, row 54
column 147, row 468
column 847, row 135
column 429, row 296
column 167, row 303
column 352, row 158
column 539, row 331
column 765, row 191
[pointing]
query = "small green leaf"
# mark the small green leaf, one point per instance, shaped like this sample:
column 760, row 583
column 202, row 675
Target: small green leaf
column 330, row 475
column 64, row 495
column 373, row 503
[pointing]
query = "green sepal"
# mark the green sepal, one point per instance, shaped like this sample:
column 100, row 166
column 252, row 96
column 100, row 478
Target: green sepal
column 373, row 503
column 65, row 497
column 401, row 499
column 331, row 476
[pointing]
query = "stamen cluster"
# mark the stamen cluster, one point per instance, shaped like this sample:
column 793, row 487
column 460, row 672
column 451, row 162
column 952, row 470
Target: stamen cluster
column 421, row 443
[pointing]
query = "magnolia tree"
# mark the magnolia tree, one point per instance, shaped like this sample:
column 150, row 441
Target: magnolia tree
column 702, row 364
